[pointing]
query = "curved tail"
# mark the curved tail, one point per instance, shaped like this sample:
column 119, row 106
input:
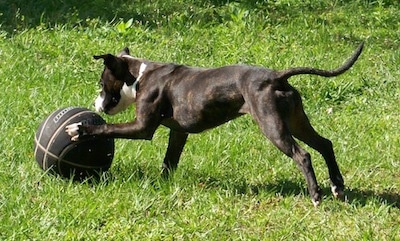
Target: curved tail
column 285, row 74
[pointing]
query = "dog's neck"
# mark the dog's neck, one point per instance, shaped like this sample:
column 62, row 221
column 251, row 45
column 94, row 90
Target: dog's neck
column 138, row 67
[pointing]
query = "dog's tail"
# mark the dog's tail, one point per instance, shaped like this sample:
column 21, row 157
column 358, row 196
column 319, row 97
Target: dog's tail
column 285, row 74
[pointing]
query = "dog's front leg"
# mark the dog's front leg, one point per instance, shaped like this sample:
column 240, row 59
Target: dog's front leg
column 147, row 120
column 176, row 143
column 133, row 130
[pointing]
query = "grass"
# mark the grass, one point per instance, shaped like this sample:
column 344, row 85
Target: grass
column 231, row 183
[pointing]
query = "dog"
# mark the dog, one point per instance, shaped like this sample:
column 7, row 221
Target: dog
column 191, row 100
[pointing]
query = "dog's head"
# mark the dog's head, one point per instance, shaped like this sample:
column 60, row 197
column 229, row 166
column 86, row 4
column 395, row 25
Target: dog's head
column 118, row 84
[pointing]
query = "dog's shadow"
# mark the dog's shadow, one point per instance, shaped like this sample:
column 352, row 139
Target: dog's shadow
column 363, row 197
column 353, row 196
column 281, row 187
column 287, row 188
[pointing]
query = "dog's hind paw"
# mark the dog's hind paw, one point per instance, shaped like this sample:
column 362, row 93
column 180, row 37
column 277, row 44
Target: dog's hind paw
column 337, row 192
column 316, row 203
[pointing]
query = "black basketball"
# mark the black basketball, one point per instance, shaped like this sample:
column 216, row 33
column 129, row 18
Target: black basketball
column 56, row 153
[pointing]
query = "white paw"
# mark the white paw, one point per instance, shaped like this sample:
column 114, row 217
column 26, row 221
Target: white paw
column 73, row 130
column 316, row 202
column 337, row 193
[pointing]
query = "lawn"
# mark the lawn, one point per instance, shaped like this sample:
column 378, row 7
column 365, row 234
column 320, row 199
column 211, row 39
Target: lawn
column 232, row 183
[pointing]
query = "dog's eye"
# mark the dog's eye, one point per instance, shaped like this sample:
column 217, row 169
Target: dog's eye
column 114, row 100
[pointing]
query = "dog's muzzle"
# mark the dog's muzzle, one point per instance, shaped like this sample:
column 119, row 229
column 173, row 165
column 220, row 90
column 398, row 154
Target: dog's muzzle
column 98, row 104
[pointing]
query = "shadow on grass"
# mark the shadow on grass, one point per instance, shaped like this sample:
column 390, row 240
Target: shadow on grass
column 363, row 197
column 286, row 188
column 240, row 186
column 21, row 14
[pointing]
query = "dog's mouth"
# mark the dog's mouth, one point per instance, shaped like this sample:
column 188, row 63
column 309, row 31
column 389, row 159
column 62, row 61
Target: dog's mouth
column 106, row 104
column 111, row 111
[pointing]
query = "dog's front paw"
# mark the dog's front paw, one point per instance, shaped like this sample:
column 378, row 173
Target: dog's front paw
column 74, row 130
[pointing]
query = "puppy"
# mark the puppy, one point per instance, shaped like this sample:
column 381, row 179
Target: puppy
column 191, row 100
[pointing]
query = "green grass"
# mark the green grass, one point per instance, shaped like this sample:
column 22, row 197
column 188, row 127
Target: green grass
column 231, row 184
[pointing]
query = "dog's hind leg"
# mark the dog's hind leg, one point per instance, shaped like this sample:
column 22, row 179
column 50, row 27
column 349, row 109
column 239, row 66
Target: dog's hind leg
column 176, row 143
column 301, row 128
column 276, row 130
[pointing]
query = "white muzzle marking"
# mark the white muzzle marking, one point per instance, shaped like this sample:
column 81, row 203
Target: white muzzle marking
column 98, row 104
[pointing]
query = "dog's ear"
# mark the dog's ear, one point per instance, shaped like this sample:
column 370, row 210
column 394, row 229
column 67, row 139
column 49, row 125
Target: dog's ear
column 125, row 51
column 109, row 59
column 115, row 64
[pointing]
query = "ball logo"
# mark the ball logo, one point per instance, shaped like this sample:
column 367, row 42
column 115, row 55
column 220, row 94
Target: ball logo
column 61, row 114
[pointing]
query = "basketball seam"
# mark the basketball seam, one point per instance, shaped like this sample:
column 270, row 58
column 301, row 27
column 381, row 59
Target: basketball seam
column 40, row 136
column 55, row 134
column 52, row 115
column 44, row 150
column 64, row 160
column 76, row 164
